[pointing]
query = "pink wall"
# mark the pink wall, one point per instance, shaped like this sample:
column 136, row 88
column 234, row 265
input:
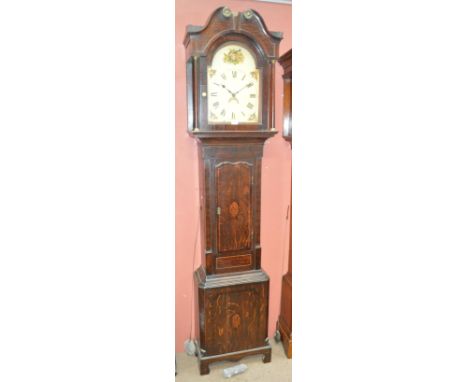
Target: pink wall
column 275, row 172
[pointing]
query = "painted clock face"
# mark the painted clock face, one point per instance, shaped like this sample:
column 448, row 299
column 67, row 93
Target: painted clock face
column 233, row 87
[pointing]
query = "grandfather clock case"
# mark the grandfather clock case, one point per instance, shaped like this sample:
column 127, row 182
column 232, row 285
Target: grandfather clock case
column 284, row 323
column 230, row 91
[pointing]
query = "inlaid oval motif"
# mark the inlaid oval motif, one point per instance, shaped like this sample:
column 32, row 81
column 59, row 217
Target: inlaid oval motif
column 234, row 209
column 236, row 321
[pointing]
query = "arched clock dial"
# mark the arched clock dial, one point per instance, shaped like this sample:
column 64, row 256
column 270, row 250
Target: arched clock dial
column 233, row 87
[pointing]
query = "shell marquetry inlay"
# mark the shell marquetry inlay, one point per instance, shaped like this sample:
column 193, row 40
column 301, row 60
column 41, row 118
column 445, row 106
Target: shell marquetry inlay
column 234, row 209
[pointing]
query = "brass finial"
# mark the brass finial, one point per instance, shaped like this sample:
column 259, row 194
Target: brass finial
column 227, row 12
column 248, row 14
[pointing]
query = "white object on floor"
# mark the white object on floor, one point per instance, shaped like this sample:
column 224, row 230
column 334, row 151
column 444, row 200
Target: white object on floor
column 230, row 371
column 189, row 347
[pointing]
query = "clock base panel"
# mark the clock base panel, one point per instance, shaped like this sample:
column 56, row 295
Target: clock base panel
column 233, row 316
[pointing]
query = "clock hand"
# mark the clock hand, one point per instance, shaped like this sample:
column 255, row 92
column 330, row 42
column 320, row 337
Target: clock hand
column 224, row 86
column 242, row 88
column 233, row 95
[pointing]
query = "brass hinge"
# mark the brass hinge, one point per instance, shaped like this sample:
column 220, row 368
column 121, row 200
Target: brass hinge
column 218, row 211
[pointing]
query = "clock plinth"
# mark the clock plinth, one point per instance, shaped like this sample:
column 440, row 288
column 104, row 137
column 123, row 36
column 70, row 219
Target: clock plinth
column 230, row 77
column 233, row 316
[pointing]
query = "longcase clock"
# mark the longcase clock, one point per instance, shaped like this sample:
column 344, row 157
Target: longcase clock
column 284, row 323
column 230, row 93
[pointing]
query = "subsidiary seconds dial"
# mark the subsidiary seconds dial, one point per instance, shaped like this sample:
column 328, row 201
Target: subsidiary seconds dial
column 233, row 87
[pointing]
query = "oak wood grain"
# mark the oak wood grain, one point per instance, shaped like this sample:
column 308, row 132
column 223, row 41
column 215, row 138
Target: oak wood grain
column 232, row 289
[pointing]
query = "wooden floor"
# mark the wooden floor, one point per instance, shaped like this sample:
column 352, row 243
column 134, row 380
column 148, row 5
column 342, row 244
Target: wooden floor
column 278, row 370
